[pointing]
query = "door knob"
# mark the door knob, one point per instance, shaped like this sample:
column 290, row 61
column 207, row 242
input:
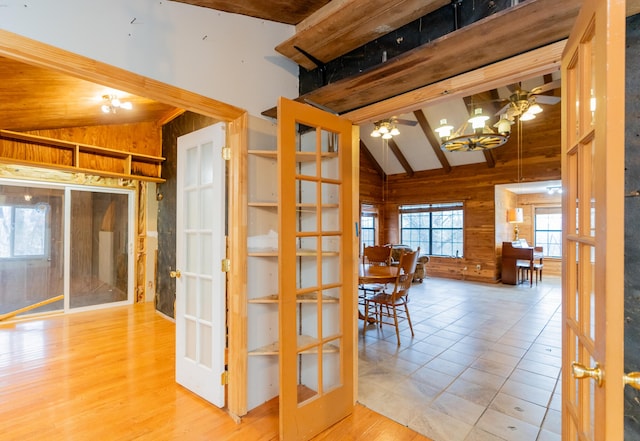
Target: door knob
column 580, row 372
column 175, row 274
column 632, row 379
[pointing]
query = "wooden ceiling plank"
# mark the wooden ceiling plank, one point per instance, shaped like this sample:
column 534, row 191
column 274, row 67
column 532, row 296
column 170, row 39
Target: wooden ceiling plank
column 433, row 141
column 341, row 26
column 464, row 50
column 400, row 157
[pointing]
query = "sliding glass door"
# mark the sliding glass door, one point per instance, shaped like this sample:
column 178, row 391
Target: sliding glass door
column 64, row 248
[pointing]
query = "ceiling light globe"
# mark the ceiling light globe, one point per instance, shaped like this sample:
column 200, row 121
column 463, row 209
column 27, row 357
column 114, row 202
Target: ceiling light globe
column 526, row 116
column 394, row 131
column 375, row 133
column 534, row 109
column 478, row 119
column 387, row 136
column 383, row 129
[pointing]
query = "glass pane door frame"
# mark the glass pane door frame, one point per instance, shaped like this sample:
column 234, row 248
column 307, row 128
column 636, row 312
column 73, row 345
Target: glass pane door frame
column 131, row 224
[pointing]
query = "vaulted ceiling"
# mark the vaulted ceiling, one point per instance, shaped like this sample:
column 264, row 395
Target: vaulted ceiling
column 329, row 32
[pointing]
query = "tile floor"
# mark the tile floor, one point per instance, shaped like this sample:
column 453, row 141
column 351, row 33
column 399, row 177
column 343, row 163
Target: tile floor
column 484, row 364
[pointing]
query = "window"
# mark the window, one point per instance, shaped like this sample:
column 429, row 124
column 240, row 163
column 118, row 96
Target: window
column 368, row 229
column 548, row 230
column 436, row 228
column 23, row 231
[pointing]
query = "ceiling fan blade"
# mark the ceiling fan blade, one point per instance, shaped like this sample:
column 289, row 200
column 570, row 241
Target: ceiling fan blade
column 406, row 122
column 547, row 99
column 546, row 87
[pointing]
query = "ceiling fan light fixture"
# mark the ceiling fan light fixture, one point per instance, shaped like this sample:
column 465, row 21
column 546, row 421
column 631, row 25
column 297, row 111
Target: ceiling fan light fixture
column 111, row 104
column 386, row 129
column 527, row 116
column 534, row 109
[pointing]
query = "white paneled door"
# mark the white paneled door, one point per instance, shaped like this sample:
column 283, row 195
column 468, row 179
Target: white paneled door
column 200, row 249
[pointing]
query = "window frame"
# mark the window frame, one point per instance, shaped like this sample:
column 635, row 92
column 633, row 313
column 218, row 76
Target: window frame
column 45, row 255
column 430, row 208
column 553, row 209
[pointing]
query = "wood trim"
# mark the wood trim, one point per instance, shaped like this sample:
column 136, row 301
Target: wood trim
column 237, row 280
column 43, row 55
column 534, row 63
column 341, row 26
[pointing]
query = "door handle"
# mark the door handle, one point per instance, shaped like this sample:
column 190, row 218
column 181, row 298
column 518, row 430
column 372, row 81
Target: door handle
column 175, row 274
column 580, row 372
column 632, row 379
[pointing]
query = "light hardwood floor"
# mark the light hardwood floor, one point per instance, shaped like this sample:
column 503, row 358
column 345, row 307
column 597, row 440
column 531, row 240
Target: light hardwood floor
column 109, row 375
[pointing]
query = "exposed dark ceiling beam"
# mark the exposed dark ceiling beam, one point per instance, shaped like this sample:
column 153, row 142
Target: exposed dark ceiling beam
column 400, row 157
column 433, row 140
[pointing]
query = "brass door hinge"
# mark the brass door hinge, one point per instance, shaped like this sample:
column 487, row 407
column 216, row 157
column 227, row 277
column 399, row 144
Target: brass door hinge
column 225, row 265
column 224, row 378
column 226, row 153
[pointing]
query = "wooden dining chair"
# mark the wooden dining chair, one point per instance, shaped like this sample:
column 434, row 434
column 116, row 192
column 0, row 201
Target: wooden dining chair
column 392, row 308
column 374, row 255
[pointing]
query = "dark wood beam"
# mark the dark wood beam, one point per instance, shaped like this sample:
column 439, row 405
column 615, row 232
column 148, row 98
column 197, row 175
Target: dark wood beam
column 400, row 157
column 366, row 152
column 466, row 49
column 433, row 140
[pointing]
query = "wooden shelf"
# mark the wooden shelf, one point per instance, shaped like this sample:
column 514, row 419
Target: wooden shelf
column 301, row 298
column 306, row 342
column 81, row 158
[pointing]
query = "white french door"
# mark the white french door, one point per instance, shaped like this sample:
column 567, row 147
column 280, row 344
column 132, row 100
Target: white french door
column 200, row 248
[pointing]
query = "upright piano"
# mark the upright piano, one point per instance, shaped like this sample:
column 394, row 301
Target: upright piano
column 511, row 253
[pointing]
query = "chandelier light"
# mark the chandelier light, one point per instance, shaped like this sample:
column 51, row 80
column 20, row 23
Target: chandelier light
column 474, row 135
column 385, row 129
column 111, row 104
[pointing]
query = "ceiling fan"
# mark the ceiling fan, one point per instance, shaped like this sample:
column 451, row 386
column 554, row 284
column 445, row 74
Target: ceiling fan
column 526, row 104
column 388, row 128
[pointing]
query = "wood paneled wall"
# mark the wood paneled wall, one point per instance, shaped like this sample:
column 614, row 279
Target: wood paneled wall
column 474, row 185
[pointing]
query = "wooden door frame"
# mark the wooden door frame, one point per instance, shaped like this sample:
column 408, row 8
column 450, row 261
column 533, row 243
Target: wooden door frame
column 43, row 55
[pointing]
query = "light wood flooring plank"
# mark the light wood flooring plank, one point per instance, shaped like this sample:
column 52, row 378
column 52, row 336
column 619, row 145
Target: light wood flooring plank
column 109, row 375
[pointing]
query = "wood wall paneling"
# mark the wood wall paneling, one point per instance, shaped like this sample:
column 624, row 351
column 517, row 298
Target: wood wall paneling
column 475, row 186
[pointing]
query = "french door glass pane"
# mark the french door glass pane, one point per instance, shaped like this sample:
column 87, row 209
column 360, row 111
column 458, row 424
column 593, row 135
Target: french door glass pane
column 99, row 257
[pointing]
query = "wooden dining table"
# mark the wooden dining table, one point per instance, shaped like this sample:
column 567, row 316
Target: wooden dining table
column 376, row 274
column 382, row 274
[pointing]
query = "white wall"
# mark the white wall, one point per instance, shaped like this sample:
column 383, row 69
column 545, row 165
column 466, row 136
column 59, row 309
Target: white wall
column 227, row 57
